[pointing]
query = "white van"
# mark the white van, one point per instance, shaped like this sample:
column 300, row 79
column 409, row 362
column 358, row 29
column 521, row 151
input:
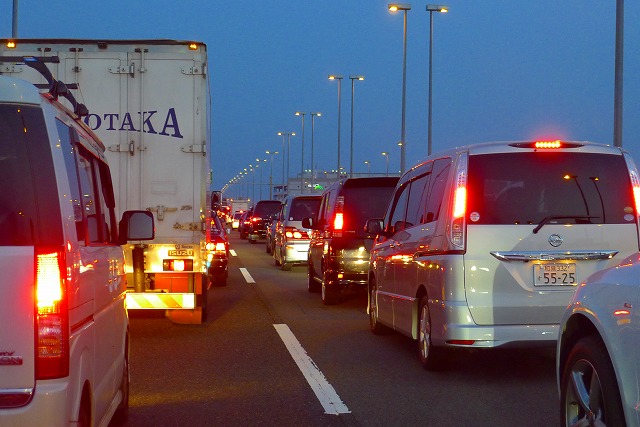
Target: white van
column 64, row 338
column 483, row 245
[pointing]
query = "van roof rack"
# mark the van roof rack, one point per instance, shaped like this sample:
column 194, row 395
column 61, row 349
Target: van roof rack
column 56, row 87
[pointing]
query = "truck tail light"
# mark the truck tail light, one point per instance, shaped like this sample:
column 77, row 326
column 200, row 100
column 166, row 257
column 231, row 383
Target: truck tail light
column 52, row 324
column 457, row 223
column 177, row 265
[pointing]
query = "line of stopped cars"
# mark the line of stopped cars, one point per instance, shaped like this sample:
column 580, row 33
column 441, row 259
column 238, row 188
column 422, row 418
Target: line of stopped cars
column 506, row 244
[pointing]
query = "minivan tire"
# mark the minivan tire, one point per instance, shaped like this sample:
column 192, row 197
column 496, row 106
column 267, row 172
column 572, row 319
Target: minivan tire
column 121, row 414
column 312, row 285
column 330, row 295
column 375, row 326
column 431, row 357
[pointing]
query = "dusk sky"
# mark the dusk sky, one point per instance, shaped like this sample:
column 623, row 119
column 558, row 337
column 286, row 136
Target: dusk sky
column 502, row 70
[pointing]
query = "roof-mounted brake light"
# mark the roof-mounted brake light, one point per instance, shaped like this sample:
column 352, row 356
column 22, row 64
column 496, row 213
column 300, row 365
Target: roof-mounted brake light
column 548, row 144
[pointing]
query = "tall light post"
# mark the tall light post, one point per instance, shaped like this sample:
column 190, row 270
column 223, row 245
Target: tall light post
column 368, row 163
column 313, row 116
column 287, row 134
column 271, row 153
column 394, row 7
column 617, row 83
column 441, row 9
column 339, row 79
column 353, row 79
column 261, row 181
column 384, row 153
column 301, row 114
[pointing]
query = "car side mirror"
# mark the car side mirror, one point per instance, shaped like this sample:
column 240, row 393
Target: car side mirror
column 374, row 226
column 136, row 225
column 307, row 223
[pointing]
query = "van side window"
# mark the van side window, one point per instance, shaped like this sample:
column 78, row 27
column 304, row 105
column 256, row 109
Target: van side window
column 397, row 220
column 417, row 200
column 98, row 209
column 69, row 154
column 438, row 185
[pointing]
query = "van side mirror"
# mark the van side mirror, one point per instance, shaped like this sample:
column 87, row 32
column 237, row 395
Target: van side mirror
column 373, row 226
column 136, row 225
column 307, row 223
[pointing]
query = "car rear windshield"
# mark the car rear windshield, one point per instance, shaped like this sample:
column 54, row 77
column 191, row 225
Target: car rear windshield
column 265, row 209
column 364, row 203
column 29, row 207
column 527, row 188
column 303, row 207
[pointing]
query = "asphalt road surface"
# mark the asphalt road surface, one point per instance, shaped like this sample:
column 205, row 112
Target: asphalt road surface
column 271, row 354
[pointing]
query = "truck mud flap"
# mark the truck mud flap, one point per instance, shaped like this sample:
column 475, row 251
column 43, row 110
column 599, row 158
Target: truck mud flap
column 185, row 317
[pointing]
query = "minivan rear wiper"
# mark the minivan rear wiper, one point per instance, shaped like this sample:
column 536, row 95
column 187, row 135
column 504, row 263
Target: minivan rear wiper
column 549, row 218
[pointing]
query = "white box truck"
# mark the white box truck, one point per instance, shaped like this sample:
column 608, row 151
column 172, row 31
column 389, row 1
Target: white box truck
column 148, row 101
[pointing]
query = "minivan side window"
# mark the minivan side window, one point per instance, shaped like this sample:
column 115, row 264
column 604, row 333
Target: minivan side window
column 69, row 154
column 438, row 184
column 397, row 219
column 417, row 200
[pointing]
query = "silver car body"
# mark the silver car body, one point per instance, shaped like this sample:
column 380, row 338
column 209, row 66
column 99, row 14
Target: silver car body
column 291, row 240
column 490, row 284
column 605, row 306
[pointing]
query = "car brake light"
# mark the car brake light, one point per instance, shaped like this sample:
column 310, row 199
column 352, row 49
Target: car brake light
column 221, row 247
column 458, row 209
column 52, row 345
column 293, row 233
column 548, row 144
column 635, row 181
column 338, row 221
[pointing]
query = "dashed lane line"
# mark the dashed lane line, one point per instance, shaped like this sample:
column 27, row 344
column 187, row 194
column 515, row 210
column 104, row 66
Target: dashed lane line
column 246, row 275
column 324, row 391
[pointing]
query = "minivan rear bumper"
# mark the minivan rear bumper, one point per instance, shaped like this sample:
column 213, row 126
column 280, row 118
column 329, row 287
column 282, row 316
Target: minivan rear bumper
column 458, row 331
column 49, row 406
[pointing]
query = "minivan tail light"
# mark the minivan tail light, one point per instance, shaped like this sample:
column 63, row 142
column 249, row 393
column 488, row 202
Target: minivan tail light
column 635, row 181
column 457, row 222
column 294, row 233
column 52, row 324
column 338, row 221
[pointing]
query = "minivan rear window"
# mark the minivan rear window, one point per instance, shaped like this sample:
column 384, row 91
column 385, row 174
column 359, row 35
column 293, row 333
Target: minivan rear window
column 303, row 207
column 267, row 208
column 526, row 188
column 364, row 203
column 29, row 207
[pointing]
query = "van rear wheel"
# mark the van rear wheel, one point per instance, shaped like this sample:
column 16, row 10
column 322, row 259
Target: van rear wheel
column 312, row 285
column 375, row 326
column 431, row 357
column 330, row 295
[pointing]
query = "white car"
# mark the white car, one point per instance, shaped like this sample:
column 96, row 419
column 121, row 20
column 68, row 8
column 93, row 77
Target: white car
column 597, row 356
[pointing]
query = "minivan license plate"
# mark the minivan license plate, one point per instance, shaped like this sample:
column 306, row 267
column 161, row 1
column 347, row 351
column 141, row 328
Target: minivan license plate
column 553, row 274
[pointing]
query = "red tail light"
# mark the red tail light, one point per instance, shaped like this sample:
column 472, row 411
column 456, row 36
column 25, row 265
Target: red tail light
column 458, row 209
column 635, row 181
column 52, row 337
column 338, row 221
column 294, row 233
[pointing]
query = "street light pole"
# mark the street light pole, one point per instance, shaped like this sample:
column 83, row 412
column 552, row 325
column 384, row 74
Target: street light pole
column 368, row 163
column 288, row 135
column 353, row 79
column 299, row 113
column 313, row 116
column 271, row 174
column 617, row 90
column 403, row 148
column 384, row 153
column 442, row 9
column 339, row 78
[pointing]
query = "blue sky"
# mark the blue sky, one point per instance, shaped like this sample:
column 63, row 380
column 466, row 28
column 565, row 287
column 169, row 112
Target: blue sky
column 502, row 70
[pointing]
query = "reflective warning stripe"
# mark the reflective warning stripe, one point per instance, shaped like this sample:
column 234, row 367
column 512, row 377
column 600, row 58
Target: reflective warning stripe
column 160, row 300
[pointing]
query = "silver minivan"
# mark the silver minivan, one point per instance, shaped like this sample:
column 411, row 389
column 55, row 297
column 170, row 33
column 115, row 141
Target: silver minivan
column 64, row 334
column 483, row 245
column 291, row 239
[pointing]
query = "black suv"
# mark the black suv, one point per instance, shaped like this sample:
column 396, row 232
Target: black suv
column 339, row 248
column 263, row 212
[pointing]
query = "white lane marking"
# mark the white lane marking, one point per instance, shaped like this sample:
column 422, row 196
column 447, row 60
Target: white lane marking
column 232, row 252
column 324, row 391
column 246, row 275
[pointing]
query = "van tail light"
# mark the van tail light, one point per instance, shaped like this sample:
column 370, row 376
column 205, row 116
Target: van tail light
column 635, row 181
column 338, row 219
column 294, row 233
column 457, row 222
column 52, row 323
